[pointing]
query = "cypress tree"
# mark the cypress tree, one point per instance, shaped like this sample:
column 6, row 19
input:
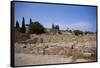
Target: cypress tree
column 17, row 25
column 23, row 29
column 53, row 26
column 30, row 21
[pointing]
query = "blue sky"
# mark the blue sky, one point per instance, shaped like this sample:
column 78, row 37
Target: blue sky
column 66, row 16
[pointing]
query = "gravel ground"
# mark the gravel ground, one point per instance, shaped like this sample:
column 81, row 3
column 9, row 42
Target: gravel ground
column 30, row 59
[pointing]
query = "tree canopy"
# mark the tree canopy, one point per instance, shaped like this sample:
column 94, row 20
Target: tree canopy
column 36, row 27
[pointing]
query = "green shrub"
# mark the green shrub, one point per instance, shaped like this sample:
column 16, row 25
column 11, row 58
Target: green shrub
column 78, row 32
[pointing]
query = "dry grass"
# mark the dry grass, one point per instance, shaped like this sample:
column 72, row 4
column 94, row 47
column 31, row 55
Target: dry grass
column 79, row 47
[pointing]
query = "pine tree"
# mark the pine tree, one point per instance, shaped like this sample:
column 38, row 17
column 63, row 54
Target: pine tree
column 23, row 29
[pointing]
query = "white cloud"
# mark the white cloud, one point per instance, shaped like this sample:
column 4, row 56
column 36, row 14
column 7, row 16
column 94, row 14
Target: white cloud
column 84, row 26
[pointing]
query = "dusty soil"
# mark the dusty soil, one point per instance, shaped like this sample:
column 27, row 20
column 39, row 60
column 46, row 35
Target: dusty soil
column 52, row 49
column 30, row 59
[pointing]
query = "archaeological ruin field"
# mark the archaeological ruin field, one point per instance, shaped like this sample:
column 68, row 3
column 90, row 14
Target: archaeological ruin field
column 53, row 49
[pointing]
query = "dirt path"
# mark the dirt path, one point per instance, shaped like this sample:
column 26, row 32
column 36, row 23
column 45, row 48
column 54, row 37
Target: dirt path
column 29, row 59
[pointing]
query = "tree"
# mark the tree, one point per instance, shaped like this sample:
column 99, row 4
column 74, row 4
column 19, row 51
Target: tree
column 57, row 27
column 70, row 31
column 31, row 28
column 17, row 25
column 23, row 29
column 36, row 28
column 78, row 32
column 53, row 26
column 39, row 28
column 30, row 21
